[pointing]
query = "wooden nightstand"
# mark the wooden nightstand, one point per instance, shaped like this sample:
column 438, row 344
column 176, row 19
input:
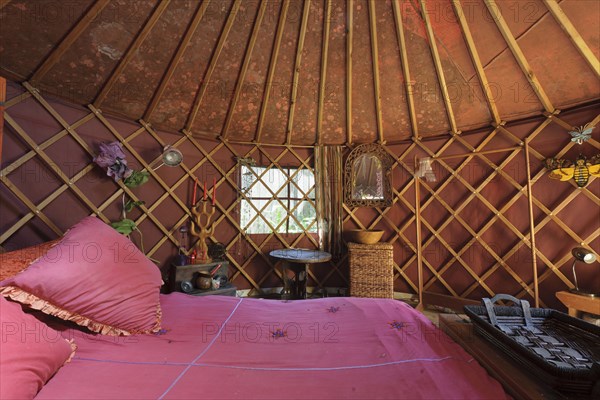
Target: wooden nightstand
column 577, row 303
column 186, row 273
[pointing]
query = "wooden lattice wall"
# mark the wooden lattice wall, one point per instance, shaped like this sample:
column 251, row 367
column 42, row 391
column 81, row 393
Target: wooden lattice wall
column 475, row 219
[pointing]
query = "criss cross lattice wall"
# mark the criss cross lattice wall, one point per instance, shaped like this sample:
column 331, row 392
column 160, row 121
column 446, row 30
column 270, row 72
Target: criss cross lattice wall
column 475, row 219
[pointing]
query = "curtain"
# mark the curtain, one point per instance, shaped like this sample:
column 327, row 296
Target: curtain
column 328, row 182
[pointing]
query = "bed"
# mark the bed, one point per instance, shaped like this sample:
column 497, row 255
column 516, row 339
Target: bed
column 224, row 347
column 221, row 347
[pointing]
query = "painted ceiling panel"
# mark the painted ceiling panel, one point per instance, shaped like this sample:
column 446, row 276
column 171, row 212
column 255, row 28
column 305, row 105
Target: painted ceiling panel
column 274, row 124
column 304, row 128
column 394, row 108
column 364, row 119
column 247, row 109
column 90, row 60
column 30, row 30
column 464, row 87
column 584, row 15
column 180, row 91
column 219, row 88
column 333, row 130
column 430, row 111
column 180, row 65
column 557, row 62
column 135, row 87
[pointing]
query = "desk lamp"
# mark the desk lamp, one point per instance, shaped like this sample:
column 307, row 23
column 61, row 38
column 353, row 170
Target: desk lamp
column 587, row 257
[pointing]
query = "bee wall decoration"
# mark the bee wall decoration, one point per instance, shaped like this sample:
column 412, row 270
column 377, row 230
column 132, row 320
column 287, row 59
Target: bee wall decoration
column 580, row 170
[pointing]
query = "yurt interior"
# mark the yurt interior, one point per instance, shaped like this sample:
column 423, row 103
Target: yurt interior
column 300, row 199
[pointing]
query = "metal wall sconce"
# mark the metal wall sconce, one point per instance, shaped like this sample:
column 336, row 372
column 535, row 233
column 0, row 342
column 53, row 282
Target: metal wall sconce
column 171, row 157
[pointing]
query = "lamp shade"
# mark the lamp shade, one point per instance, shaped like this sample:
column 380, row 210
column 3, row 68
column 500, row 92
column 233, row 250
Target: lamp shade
column 582, row 254
column 171, row 156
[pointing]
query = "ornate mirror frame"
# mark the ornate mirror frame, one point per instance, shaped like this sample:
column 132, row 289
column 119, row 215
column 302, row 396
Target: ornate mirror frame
column 350, row 176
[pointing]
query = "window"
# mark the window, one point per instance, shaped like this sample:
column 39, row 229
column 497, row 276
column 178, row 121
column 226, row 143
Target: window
column 280, row 199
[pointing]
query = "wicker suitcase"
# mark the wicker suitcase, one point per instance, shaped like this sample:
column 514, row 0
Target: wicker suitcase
column 560, row 350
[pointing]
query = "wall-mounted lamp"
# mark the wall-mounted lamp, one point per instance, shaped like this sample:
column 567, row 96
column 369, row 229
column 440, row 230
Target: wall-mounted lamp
column 588, row 257
column 171, row 157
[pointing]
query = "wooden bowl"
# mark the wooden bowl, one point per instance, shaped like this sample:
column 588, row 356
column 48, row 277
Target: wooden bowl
column 364, row 236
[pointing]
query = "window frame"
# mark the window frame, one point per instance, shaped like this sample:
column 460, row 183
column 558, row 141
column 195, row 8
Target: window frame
column 258, row 174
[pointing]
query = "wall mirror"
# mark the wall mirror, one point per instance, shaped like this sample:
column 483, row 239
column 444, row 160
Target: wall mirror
column 367, row 177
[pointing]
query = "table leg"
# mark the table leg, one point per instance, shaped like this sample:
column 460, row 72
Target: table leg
column 287, row 292
column 301, row 281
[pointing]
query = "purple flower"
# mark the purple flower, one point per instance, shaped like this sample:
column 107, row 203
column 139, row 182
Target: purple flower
column 112, row 158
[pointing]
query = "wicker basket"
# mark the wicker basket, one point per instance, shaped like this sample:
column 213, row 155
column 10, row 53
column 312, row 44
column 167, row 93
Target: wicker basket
column 561, row 351
column 371, row 270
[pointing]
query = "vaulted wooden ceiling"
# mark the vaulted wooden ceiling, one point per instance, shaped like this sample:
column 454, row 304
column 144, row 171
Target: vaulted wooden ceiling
column 306, row 72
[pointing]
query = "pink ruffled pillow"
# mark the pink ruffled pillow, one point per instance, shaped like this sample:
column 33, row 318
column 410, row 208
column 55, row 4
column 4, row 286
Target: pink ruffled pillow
column 95, row 277
column 30, row 352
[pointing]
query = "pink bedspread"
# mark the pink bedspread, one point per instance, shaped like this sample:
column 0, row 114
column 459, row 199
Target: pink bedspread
column 226, row 348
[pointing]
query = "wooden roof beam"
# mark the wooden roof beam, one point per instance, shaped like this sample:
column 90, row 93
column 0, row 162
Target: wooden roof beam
column 181, row 47
column 485, row 85
column 405, row 69
column 439, row 68
column 131, row 51
column 272, row 67
column 375, row 61
column 349, row 38
column 518, row 54
column 212, row 65
column 297, row 67
column 323, row 79
column 56, row 54
column 242, row 74
column 565, row 23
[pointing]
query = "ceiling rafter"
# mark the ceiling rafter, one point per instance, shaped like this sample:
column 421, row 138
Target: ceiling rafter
column 242, row 74
column 272, row 67
column 297, row 68
column 131, row 51
column 349, row 39
column 438, row 67
column 323, row 72
column 181, row 48
column 405, row 69
column 566, row 24
column 518, row 54
column 66, row 43
column 212, row 65
column 375, row 62
column 485, row 85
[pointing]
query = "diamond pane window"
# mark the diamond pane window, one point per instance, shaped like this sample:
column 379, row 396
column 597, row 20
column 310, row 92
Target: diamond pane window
column 277, row 199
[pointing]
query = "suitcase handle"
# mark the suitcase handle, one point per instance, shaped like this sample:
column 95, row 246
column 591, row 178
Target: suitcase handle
column 489, row 306
column 508, row 297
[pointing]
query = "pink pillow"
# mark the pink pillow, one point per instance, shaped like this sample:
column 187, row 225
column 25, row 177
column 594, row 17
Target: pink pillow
column 95, row 277
column 30, row 352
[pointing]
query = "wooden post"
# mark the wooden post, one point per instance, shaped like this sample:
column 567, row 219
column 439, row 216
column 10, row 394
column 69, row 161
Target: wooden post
column 418, row 235
column 2, row 101
column 531, row 226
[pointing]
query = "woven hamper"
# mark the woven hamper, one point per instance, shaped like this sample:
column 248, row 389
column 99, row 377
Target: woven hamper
column 371, row 270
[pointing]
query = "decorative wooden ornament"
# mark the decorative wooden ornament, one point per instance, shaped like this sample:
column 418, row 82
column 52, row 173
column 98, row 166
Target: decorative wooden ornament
column 203, row 218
